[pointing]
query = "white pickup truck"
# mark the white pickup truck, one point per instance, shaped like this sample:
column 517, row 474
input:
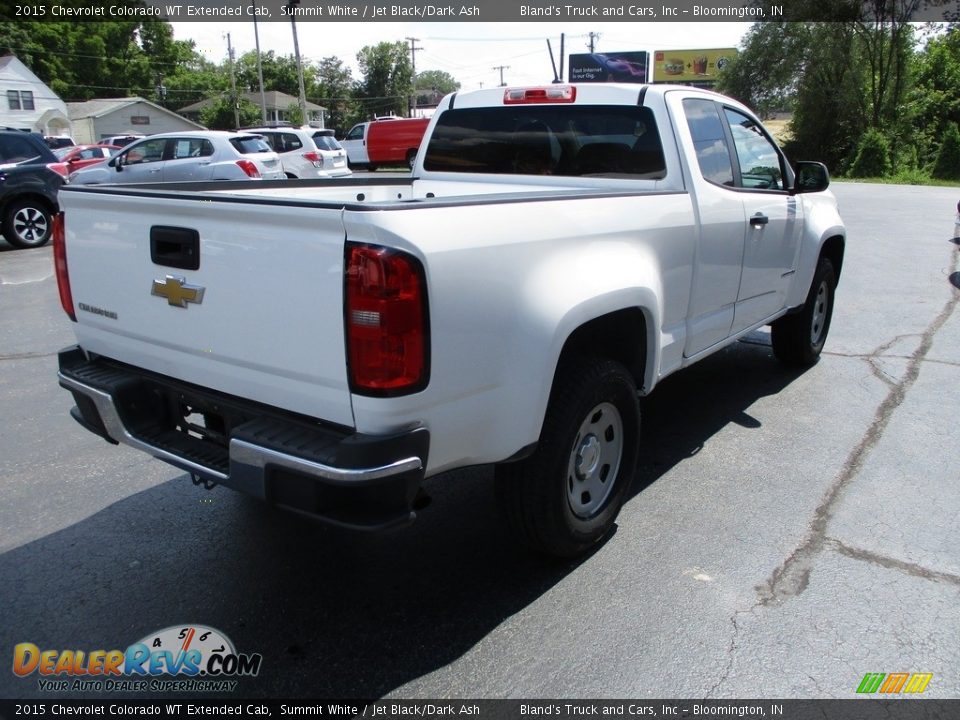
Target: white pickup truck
column 556, row 252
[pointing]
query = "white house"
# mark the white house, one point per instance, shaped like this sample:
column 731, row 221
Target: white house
column 27, row 104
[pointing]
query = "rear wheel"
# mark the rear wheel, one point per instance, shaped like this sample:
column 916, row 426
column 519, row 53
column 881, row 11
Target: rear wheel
column 564, row 498
column 27, row 224
column 799, row 338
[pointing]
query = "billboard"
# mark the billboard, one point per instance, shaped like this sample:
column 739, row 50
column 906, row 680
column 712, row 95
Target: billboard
column 690, row 66
column 630, row 67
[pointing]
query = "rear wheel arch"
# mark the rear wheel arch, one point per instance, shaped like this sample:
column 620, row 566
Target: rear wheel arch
column 620, row 335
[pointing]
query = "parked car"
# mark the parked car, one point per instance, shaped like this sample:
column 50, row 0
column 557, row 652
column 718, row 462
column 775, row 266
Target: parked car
column 956, row 223
column 186, row 156
column 306, row 152
column 55, row 142
column 28, row 189
column 75, row 157
column 121, row 140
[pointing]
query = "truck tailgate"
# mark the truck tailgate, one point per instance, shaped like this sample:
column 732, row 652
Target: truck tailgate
column 268, row 325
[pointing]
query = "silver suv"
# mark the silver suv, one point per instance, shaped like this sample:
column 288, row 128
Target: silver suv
column 306, row 152
column 186, row 156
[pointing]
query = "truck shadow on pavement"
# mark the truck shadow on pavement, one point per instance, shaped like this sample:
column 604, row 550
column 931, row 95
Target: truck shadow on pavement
column 335, row 614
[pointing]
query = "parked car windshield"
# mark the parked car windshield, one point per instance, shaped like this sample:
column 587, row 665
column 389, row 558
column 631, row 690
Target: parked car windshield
column 250, row 144
column 582, row 140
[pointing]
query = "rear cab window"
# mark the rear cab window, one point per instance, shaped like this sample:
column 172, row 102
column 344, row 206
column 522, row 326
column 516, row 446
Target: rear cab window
column 572, row 141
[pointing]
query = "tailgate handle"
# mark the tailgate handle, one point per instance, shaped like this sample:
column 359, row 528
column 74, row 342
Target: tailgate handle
column 175, row 247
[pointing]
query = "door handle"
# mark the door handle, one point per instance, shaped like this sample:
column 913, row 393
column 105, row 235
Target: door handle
column 759, row 219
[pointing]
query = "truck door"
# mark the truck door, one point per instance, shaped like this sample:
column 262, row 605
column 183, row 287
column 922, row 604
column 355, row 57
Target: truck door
column 774, row 221
column 716, row 278
column 355, row 143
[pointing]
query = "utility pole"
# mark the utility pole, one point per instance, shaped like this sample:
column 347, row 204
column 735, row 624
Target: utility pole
column 412, row 101
column 593, row 36
column 501, row 68
column 233, row 87
column 256, row 38
column 291, row 8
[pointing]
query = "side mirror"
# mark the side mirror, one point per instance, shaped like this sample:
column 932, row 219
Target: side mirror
column 810, row 177
column 116, row 162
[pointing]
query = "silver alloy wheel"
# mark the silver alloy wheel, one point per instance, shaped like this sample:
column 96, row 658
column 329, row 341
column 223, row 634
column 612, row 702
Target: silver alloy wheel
column 820, row 307
column 30, row 225
column 594, row 460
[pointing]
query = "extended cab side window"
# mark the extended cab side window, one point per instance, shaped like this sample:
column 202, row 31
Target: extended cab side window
column 709, row 141
column 761, row 166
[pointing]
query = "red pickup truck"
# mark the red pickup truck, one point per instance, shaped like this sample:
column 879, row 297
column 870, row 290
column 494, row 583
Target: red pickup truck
column 385, row 141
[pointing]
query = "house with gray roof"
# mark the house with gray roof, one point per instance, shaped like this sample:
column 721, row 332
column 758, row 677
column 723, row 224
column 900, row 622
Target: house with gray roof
column 94, row 120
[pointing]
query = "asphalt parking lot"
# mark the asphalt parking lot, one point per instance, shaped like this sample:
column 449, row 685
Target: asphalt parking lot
column 788, row 533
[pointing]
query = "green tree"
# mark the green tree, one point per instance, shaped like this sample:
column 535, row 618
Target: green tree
column 219, row 115
column 947, row 166
column 279, row 73
column 828, row 118
column 765, row 73
column 431, row 85
column 82, row 60
column 387, row 84
column 334, row 91
column 934, row 99
column 873, row 156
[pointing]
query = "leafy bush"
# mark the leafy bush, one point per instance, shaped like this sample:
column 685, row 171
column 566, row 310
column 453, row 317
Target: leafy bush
column 911, row 176
column 947, row 166
column 873, row 156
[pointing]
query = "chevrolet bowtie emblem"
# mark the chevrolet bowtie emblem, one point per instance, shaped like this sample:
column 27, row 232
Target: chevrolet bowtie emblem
column 177, row 291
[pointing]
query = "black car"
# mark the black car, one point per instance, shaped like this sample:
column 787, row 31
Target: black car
column 28, row 189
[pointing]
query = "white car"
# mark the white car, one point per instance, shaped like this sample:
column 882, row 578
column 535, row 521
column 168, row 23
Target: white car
column 187, row 156
column 307, row 152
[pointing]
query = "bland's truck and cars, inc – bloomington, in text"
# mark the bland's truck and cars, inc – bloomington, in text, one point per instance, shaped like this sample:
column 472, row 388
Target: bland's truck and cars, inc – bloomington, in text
column 326, row 345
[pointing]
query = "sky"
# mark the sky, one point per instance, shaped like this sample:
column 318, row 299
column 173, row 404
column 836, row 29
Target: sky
column 469, row 51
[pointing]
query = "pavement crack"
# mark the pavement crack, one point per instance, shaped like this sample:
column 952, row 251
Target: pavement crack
column 890, row 563
column 792, row 577
column 731, row 651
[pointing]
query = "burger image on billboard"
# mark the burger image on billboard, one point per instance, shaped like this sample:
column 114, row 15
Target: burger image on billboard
column 674, row 66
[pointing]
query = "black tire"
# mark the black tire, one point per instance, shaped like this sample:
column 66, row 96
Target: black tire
column 411, row 158
column 798, row 338
column 550, row 501
column 371, row 168
column 27, row 223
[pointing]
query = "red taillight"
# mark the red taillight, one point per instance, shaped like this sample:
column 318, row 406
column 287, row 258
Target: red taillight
column 60, row 169
column 313, row 157
column 548, row 94
column 250, row 168
column 386, row 318
column 60, row 265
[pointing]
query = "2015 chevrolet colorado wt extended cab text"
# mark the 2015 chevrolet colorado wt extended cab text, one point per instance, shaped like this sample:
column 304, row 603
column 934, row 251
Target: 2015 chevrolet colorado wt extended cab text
column 327, row 345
